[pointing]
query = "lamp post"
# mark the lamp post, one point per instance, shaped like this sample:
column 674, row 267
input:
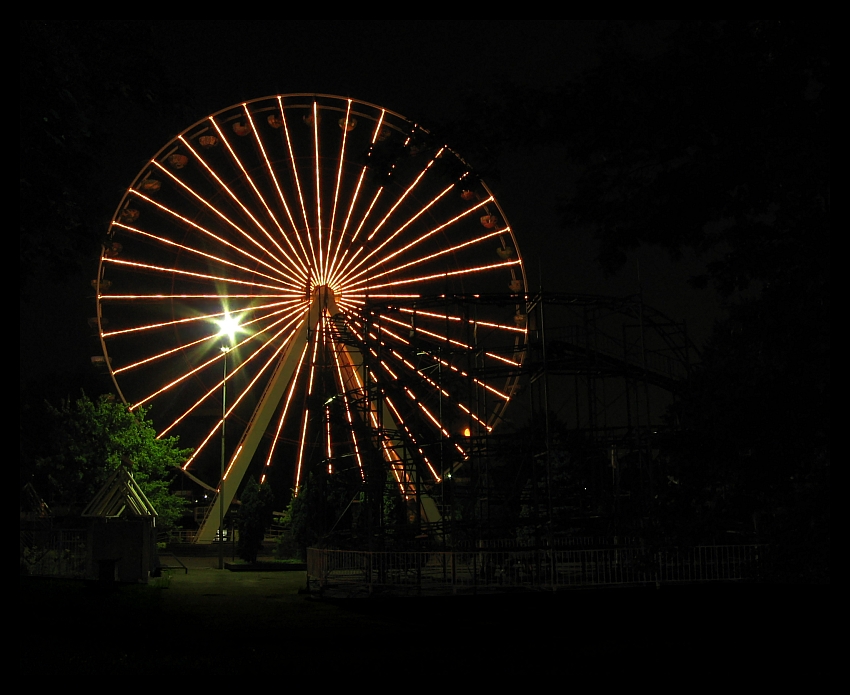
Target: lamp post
column 227, row 327
column 225, row 350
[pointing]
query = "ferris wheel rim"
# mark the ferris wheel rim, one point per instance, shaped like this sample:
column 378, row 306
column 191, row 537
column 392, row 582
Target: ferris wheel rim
column 165, row 151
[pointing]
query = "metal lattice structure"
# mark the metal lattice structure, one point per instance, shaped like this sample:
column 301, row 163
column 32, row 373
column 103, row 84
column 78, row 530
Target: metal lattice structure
column 597, row 374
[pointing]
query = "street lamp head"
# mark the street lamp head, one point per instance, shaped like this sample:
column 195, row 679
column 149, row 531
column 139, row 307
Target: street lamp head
column 228, row 326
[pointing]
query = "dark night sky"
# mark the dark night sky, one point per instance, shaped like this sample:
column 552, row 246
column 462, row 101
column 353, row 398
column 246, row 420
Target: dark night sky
column 423, row 70
column 766, row 418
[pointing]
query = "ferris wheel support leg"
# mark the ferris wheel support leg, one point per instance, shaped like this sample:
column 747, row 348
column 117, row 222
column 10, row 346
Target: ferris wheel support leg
column 257, row 426
column 428, row 510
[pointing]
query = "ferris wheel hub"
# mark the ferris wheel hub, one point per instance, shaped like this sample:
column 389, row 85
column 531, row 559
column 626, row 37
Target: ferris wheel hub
column 324, row 293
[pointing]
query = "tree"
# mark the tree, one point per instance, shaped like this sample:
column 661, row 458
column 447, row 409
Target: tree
column 320, row 512
column 255, row 516
column 722, row 143
column 86, row 440
column 85, row 84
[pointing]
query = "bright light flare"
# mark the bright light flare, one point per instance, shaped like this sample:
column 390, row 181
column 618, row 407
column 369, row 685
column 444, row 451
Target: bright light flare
column 229, row 326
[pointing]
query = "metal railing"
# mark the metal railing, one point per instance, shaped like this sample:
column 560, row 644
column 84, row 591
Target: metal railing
column 453, row 571
column 544, row 542
column 177, row 535
column 54, row 553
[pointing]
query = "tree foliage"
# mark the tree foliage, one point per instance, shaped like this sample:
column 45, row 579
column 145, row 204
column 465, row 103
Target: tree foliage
column 320, row 512
column 89, row 439
column 255, row 516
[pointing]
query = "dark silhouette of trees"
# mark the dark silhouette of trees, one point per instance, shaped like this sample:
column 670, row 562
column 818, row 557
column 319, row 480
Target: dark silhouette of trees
column 721, row 143
column 86, row 86
column 717, row 140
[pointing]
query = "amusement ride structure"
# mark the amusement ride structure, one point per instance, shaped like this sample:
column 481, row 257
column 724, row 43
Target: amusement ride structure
column 293, row 284
column 306, row 285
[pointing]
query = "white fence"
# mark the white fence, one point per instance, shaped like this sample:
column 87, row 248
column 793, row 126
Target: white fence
column 54, row 553
column 453, row 572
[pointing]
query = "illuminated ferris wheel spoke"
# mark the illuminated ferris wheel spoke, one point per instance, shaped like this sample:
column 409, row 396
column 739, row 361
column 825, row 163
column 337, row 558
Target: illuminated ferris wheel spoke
column 346, row 273
column 420, row 375
column 227, row 246
column 201, row 445
column 426, row 259
column 434, row 475
column 329, row 450
column 435, row 276
column 440, row 320
column 157, row 297
column 428, row 414
column 293, row 164
column 273, row 177
column 378, row 129
column 285, row 335
column 358, row 299
column 200, row 341
column 355, row 196
column 398, row 231
column 236, row 227
column 209, row 256
column 403, row 197
column 305, row 417
column 317, row 167
column 367, row 214
column 240, row 204
column 197, row 276
column 159, row 356
column 205, row 318
column 346, row 125
column 293, row 261
column 312, row 373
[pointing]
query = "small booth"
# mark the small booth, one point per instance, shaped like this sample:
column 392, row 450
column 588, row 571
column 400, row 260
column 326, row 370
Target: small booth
column 122, row 532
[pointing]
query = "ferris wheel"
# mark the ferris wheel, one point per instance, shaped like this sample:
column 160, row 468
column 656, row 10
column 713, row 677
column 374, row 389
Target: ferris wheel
column 305, row 273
